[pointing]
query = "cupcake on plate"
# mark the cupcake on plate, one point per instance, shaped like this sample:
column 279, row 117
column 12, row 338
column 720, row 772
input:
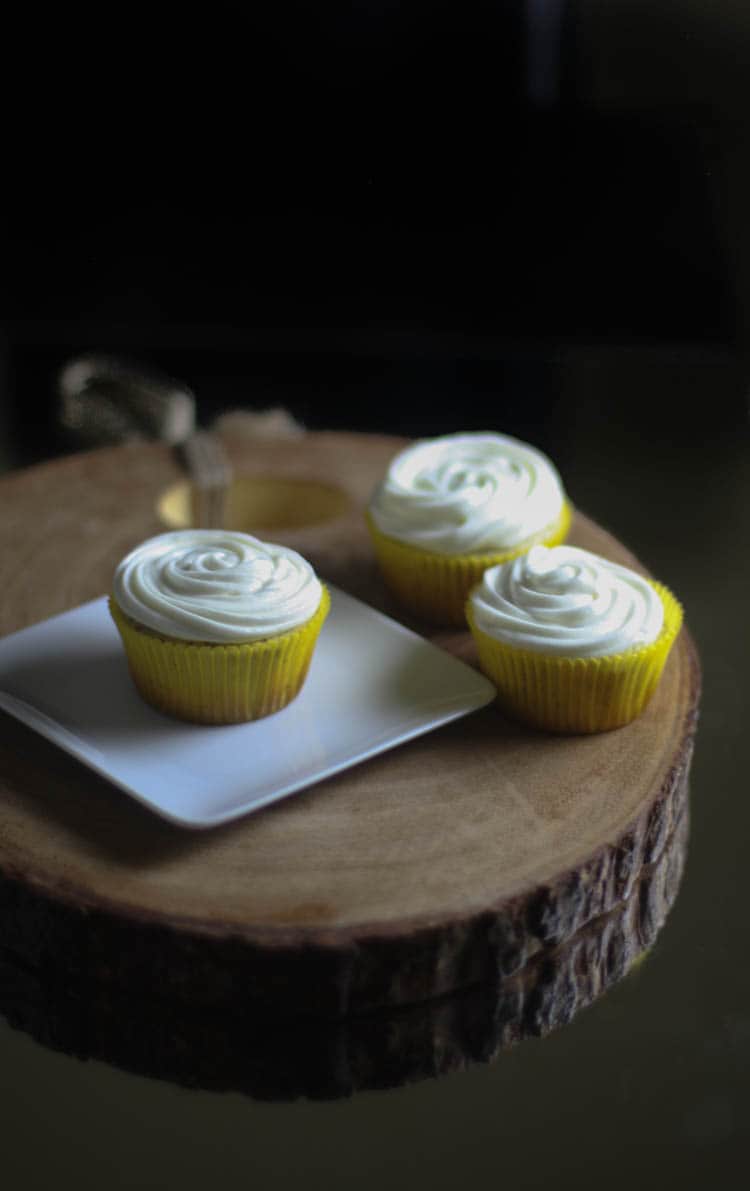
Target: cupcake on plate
column 572, row 642
column 450, row 507
column 218, row 627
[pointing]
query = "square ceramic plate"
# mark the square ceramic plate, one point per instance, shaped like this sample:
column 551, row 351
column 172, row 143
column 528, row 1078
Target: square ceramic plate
column 372, row 685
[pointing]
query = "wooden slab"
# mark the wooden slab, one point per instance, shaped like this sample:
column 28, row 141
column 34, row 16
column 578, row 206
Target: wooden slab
column 446, row 861
column 286, row 1058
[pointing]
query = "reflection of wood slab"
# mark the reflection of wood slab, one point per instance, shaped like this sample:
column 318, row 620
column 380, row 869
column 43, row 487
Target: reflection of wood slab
column 434, row 866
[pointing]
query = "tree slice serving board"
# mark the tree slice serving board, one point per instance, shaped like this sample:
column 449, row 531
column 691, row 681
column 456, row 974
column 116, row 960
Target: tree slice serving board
column 292, row 1057
column 435, row 866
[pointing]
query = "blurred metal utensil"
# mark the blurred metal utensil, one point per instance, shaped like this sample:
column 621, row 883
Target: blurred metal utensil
column 211, row 474
column 107, row 399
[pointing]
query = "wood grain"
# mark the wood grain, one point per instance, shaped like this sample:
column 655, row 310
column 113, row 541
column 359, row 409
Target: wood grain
column 422, row 871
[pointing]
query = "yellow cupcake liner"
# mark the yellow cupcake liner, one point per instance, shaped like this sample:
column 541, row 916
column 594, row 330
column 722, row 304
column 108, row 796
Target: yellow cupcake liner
column 219, row 684
column 435, row 586
column 561, row 694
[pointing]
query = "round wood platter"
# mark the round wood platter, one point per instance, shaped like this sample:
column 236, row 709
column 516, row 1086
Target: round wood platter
column 448, row 861
column 289, row 1057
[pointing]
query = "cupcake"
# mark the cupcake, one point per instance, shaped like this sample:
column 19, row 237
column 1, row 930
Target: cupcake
column 572, row 642
column 218, row 627
column 450, row 507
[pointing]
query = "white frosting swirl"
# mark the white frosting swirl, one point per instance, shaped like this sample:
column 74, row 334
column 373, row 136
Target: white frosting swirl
column 216, row 586
column 468, row 494
column 568, row 602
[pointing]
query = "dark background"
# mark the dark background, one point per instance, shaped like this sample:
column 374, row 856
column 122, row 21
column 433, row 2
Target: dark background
column 414, row 218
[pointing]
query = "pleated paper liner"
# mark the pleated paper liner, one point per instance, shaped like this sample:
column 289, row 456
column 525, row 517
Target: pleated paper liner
column 559, row 694
column 219, row 684
column 434, row 586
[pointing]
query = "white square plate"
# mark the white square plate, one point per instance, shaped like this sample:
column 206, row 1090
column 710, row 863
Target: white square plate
column 372, row 684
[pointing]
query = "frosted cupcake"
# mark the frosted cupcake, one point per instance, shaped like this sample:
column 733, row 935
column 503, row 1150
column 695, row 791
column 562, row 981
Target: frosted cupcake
column 572, row 642
column 218, row 627
column 450, row 507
